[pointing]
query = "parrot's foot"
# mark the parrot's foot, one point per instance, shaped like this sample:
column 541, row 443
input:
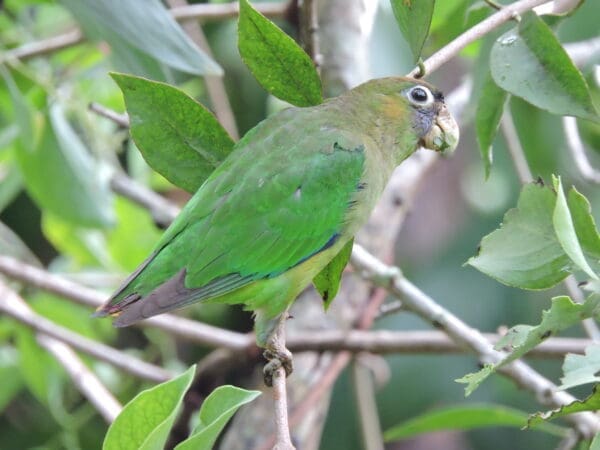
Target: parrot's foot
column 278, row 358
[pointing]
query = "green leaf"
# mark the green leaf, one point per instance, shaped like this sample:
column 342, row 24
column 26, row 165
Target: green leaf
column 414, row 20
column 591, row 403
column 327, row 282
column 530, row 63
column 61, row 176
column 565, row 231
column 12, row 245
column 562, row 314
column 595, row 445
column 145, row 421
column 147, row 26
column 177, row 136
column 467, row 417
column 525, row 252
column 584, row 223
column 12, row 382
column 581, row 369
column 215, row 412
column 275, row 60
column 487, row 118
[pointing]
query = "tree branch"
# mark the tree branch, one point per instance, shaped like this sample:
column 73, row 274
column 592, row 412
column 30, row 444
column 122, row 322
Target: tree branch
column 202, row 11
column 577, row 149
column 84, row 379
column 467, row 337
column 178, row 326
column 446, row 53
column 14, row 306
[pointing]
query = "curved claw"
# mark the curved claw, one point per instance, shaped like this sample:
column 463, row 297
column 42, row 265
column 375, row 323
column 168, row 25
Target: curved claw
column 277, row 358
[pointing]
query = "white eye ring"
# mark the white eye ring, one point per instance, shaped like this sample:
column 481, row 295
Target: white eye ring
column 420, row 96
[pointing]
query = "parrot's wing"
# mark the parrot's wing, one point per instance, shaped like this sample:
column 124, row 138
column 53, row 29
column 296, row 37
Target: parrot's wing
column 255, row 218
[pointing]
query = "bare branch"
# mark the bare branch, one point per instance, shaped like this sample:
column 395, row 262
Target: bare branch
column 583, row 52
column 450, row 50
column 177, row 326
column 470, row 338
column 14, row 306
column 278, row 379
column 87, row 383
column 203, row 11
column 364, row 392
column 513, row 143
column 120, row 119
column 414, row 342
column 577, row 149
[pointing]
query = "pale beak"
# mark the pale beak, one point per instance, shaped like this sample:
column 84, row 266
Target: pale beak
column 443, row 135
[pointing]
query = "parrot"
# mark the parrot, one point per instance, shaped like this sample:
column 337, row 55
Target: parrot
column 285, row 202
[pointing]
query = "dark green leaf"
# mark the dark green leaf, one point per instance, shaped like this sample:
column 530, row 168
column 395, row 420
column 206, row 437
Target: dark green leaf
column 327, row 282
column 584, row 223
column 145, row 421
column 525, row 252
column 565, row 231
column 277, row 62
column 467, row 417
column 487, row 118
column 530, row 63
column 12, row 245
column 146, row 25
column 522, row 338
column 12, row 382
column 177, row 136
column 215, row 412
column 414, row 20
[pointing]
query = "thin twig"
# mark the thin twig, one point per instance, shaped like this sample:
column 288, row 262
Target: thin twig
column 414, row 342
column 203, row 11
column 513, row 143
column 178, row 326
column 14, row 306
column 577, row 149
column 120, row 119
column 364, row 392
column 470, row 338
column 214, row 85
column 450, row 50
column 85, row 380
column 283, row 440
column 309, row 27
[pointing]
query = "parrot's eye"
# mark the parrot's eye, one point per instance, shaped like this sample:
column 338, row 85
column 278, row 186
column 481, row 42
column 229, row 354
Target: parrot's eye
column 420, row 96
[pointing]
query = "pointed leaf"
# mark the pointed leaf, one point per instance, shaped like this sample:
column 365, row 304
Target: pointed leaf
column 467, row 417
column 327, row 282
column 591, row 403
column 61, row 175
column 522, row 338
column 215, row 412
column 595, row 445
column 581, row 369
column 565, row 231
column 584, row 223
column 146, row 25
column 145, row 421
column 529, row 62
column 414, row 20
column 276, row 61
column 487, row 118
column 525, row 251
column 177, row 136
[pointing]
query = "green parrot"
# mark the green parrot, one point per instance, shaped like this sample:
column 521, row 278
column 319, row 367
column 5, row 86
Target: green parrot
column 286, row 201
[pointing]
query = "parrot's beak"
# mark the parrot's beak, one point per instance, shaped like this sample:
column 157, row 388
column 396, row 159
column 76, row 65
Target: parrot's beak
column 443, row 135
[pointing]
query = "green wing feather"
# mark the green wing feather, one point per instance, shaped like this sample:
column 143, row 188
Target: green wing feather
column 282, row 196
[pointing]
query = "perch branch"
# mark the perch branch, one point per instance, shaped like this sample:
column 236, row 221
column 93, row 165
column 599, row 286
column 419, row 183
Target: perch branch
column 178, row 326
column 470, row 338
column 279, row 385
column 121, row 119
column 14, row 306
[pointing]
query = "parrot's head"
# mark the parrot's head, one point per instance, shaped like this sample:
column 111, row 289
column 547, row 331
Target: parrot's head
column 416, row 109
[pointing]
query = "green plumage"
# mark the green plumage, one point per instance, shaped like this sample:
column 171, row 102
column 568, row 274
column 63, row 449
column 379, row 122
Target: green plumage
column 294, row 190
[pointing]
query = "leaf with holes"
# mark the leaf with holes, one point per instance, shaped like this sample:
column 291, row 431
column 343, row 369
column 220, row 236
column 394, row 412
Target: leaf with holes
column 581, row 369
column 591, row 403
